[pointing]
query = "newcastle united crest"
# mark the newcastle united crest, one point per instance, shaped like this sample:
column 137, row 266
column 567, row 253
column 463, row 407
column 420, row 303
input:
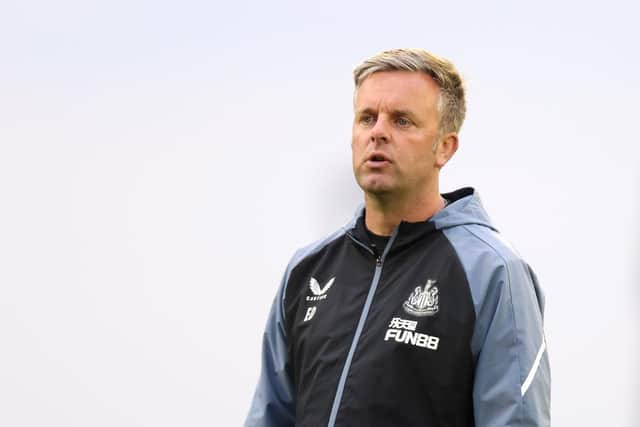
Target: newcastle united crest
column 423, row 301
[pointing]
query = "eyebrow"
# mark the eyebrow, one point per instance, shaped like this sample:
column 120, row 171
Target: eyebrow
column 394, row 113
column 367, row 110
column 397, row 113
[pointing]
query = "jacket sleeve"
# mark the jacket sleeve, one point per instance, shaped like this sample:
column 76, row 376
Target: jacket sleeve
column 273, row 402
column 512, row 374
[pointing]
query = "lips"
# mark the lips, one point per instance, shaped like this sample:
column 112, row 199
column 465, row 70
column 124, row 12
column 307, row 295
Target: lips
column 377, row 159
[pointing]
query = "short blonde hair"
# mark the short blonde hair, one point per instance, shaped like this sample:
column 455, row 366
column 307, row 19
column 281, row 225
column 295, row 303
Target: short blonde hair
column 451, row 104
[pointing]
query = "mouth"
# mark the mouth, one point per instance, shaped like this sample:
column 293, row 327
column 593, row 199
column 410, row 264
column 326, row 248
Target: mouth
column 377, row 159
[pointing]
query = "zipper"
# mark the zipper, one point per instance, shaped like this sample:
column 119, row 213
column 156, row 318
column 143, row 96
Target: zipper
column 371, row 251
column 362, row 245
column 363, row 318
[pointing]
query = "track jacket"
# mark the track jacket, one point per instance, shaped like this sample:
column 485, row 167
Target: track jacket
column 443, row 327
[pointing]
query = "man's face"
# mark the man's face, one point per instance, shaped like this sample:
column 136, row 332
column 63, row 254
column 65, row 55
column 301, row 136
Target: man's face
column 394, row 128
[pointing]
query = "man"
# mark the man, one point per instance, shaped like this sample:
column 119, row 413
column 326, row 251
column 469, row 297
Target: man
column 416, row 313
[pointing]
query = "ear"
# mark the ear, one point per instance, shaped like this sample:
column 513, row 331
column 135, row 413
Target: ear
column 445, row 149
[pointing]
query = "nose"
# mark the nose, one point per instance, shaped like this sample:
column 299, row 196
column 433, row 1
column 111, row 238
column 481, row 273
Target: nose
column 380, row 131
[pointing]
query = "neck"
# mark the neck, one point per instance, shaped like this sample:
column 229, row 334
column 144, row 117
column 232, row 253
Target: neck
column 385, row 212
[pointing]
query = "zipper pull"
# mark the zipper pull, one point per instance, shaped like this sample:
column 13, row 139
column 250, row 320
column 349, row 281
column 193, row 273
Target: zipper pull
column 378, row 261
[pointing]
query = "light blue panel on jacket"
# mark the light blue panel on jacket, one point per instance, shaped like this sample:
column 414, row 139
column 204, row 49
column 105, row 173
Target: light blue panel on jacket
column 512, row 379
column 273, row 402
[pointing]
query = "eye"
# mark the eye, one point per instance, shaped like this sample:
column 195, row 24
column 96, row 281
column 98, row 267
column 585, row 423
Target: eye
column 367, row 119
column 403, row 122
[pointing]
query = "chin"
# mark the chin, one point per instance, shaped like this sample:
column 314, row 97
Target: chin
column 376, row 187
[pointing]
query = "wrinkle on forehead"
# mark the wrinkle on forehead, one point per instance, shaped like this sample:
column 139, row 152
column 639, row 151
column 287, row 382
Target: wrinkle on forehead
column 398, row 90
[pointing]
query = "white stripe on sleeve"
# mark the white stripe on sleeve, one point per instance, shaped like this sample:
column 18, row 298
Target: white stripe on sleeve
column 534, row 368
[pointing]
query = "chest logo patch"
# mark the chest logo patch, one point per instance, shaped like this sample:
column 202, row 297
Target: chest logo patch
column 319, row 293
column 311, row 311
column 423, row 301
column 404, row 331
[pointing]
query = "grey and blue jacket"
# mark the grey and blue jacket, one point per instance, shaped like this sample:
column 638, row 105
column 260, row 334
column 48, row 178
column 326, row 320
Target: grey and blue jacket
column 441, row 327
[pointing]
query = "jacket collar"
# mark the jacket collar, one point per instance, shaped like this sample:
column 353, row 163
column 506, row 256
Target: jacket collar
column 408, row 232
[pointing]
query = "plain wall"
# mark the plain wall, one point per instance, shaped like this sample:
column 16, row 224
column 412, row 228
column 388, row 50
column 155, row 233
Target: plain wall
column 160, row 162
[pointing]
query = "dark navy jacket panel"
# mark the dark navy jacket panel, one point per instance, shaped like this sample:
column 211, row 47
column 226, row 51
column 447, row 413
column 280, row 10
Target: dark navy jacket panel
column 318, row 346
column 394, row 382
column 274, row 400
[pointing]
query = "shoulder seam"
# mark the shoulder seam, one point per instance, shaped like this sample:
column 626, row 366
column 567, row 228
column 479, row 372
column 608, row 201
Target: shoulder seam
column 474, row 234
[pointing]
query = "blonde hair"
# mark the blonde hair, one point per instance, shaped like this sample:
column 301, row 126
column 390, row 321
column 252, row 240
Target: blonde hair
column 451, row 103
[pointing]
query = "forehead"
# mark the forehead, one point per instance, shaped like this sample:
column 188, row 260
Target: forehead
column 398, row 90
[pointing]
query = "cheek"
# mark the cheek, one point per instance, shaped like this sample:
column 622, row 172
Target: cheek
column 355, row 134
column 356, row 153
column 356, row 142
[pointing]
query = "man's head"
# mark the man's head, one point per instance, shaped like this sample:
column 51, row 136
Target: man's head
column 451, row 103
column 408, row 108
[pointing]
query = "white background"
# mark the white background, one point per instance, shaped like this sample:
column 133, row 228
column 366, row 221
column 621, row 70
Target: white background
column 160, row 162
